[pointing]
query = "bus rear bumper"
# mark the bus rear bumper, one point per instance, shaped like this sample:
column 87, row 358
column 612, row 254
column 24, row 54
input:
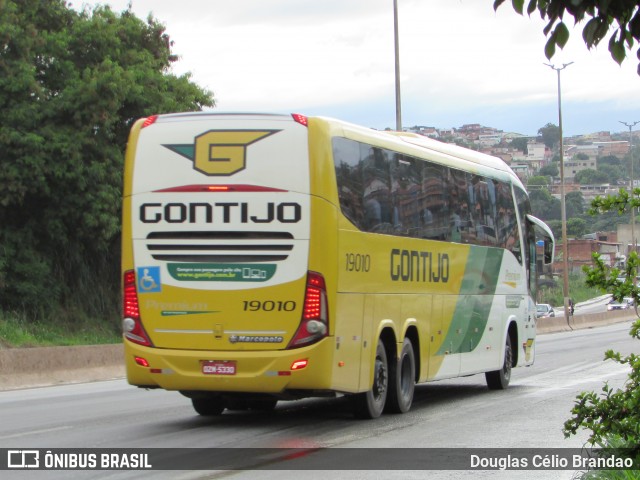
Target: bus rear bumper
column 266, row 371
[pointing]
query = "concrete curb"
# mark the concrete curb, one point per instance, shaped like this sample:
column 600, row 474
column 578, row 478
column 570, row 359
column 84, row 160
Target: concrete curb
column 46, row 366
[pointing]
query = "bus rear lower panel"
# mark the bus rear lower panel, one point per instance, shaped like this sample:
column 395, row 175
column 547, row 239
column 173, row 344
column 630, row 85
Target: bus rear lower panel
column 270, row 372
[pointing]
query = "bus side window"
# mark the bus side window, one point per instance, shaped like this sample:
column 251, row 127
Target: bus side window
column 346, row 154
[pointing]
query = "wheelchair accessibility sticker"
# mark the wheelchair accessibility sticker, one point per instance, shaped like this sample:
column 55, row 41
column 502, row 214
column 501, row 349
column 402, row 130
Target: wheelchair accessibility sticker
column 149, row 280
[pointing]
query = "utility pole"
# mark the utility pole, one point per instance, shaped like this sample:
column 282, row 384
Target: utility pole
column 633, row 214
column 397, row 66
column 563, row 209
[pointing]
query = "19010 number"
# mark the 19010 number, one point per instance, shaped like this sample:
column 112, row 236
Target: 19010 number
column 269, row 306
column 357, row 262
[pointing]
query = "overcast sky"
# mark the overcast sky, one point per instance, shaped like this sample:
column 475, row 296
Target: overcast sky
column 460, row 63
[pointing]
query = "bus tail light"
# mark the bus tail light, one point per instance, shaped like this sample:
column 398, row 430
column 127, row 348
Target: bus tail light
column 314, row 324
column 301, row 119
column 131, row 324
column 149, row 121
column 299, row 364
column 142, row 362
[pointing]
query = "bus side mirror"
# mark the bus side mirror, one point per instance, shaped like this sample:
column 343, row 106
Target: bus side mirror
column 544, row 239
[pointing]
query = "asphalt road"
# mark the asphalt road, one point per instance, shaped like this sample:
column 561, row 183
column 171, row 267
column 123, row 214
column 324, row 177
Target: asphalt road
column 459, row 413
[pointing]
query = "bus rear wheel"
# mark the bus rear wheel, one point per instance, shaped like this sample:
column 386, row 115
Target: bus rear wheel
column 208, row 406
column 499, row 379
column 370, row 404
column 402, row 381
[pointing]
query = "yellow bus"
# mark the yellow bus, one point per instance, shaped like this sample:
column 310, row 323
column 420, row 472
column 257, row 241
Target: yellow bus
column 269, row 257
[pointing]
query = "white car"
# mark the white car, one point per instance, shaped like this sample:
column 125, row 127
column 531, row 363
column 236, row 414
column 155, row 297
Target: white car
column 626, row 303
column 544, row 310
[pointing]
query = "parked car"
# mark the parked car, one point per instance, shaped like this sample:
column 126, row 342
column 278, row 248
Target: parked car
column 544, row 310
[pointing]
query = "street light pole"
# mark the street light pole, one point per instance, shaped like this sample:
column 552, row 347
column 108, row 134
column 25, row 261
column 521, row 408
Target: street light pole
column 563, row 209
column 633, row 215
column 397, row 66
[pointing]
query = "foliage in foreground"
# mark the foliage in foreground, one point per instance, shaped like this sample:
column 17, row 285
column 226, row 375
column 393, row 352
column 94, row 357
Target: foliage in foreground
column 613, row 415
column 619, row 19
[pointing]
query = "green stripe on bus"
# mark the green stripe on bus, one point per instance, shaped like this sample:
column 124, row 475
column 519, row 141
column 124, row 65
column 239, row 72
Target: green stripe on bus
column 474, row 304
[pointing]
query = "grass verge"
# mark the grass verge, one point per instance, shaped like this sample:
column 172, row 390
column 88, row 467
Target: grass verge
column 18, row 331
column 578, row 292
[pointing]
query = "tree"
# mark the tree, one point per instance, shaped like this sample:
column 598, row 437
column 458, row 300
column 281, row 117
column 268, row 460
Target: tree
column 520, row 143
column 556, row 228
column 607, row 222
column 543, row 205
column 614, row 415
column 613, row 173
column 574, row 203
column 71, row 84
column 602, row 15
column 538, row 180
column 550, row 170
column 609, row 160
column 590, row 176
column 576, row 227
column 550, row 134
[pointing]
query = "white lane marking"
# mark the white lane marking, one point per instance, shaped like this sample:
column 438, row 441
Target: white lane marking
column 571, row 376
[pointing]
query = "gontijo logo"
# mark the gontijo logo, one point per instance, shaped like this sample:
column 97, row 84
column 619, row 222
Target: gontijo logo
column 220, row 152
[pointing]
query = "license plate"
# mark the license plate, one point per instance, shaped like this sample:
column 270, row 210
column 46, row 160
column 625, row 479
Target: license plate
column 219, row 367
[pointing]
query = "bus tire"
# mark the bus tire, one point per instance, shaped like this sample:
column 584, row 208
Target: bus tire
column 370, row 404
column 208, row 406
column 402, row 380
column 499, row 379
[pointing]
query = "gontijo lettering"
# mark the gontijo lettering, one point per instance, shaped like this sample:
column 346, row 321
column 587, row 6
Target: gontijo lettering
column 419, row 266
column 220, row 212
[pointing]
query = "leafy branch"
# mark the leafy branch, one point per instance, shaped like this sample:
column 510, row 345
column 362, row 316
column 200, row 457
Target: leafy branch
column 613, row 416
column 620, row 17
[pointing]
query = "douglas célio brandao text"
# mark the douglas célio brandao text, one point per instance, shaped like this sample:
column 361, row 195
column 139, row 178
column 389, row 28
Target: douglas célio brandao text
column 547, row 462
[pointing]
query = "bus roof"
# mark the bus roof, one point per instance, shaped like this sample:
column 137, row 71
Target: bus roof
column 445, row 153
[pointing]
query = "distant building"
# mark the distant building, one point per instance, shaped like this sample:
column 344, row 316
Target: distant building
column 488, row 140
column 505, row 156
column 579, row 252
column 590, row 192
column 536, row 155
column 592, row 151
column 509, row 136
column 617, row 148
column 431, row 132
column 521, row 170
column 625, row 234
column 575, row 165
column 472, row 131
